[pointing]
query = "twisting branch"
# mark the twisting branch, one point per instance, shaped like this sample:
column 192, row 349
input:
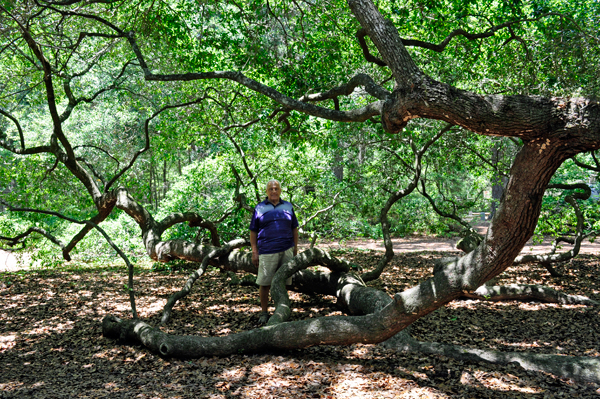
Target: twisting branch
column 285, row 34
column 442, row 213
column 461, row 32
column 361, row 34
column 17, row 125
column 245, row 162
column 147, row 139
column 328, row 208
column 215, row 253
column 68, row 156
column 101, row 231
column 395, row 197
column 105, row 207
column 360, row 79
column 301, row 261
column 20, row 239
column 99, row 149
column 357, row 115
column 471, row 238
column 320, row 211
column 453, row 215
column 73, row 102
column 240, row 197
column 210, row 226
column 595, row 168
column 8, row 145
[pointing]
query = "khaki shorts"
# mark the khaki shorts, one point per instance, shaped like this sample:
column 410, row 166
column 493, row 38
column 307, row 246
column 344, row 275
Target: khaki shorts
column 268, row 265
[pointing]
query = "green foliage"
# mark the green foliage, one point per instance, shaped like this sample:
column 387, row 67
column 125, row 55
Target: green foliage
column 297, row 48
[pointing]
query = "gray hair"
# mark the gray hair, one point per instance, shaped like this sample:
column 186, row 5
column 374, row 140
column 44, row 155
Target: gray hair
column 272, row 181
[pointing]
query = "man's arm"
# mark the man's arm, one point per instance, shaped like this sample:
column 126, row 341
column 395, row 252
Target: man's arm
column 295, row 233
column 254, row 244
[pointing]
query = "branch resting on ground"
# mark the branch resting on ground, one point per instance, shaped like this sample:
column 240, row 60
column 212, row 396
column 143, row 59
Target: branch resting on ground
column 360, row 300
column 583, row 369
column 214, row 253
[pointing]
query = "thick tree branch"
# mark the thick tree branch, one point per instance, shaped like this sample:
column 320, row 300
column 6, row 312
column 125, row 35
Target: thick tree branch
column 301, row 261
column 214, row 253
column 387, row 40
column 419, row 96
column 584, row 369
column 523, row 292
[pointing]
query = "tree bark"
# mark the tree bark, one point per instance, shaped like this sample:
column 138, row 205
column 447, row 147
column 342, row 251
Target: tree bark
column 582, row 369
column 524, row 292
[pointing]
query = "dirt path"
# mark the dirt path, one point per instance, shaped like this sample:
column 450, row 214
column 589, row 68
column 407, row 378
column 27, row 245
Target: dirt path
column 419, row 244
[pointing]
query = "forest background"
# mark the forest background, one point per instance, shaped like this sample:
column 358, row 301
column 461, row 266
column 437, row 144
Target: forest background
column 204, row 155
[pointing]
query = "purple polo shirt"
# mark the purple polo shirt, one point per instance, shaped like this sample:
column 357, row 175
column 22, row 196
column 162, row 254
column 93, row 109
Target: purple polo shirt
column 274, row 225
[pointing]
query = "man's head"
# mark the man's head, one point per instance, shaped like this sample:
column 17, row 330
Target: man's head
column 273, row 191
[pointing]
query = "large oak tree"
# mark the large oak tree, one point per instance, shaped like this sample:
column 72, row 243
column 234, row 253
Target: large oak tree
column 551, row 130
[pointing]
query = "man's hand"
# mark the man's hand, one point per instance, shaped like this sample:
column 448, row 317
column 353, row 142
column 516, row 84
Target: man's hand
column 295, row 251
column 255, row 258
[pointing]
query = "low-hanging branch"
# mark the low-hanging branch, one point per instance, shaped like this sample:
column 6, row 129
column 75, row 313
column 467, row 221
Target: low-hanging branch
column 20, row 238
column 101, row 231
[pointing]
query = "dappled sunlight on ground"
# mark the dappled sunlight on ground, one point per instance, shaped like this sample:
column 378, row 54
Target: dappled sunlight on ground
column 51, row 343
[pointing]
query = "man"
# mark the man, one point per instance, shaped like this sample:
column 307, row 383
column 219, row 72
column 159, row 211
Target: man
column 274, row 240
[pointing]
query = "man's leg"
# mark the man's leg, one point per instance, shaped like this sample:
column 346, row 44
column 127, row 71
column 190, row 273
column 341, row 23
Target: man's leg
column 263, row 292
column 286, row 256
column 266, row 269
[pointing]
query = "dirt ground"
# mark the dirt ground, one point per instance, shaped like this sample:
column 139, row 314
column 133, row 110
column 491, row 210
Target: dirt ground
column 51, row 345
column 421, row 243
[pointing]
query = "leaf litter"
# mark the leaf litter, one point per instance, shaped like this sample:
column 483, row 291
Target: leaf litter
column 51, row 343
